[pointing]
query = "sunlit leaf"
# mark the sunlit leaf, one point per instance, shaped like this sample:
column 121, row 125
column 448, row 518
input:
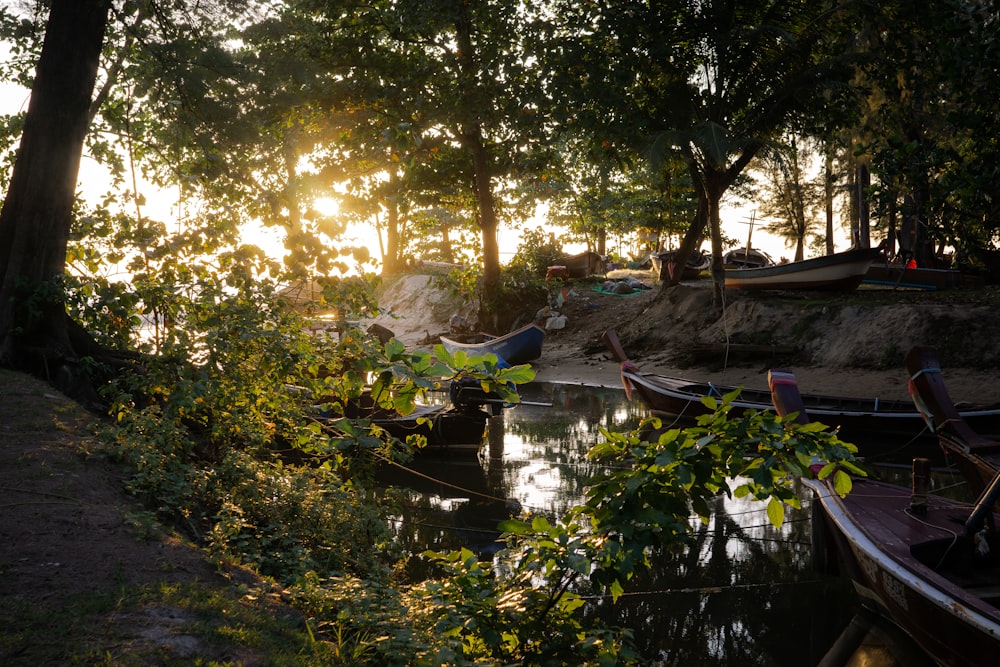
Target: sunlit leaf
column 776, row 512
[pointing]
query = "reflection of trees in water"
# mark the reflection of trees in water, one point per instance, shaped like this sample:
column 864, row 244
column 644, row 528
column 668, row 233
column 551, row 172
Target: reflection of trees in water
column 448, row 502
column 742, row 592
column 554, row 441
column 576, row 415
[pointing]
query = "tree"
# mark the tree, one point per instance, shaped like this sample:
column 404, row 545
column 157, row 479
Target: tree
column 792, row 197
column 713, row 82
column 35, row 332
column 930, row 127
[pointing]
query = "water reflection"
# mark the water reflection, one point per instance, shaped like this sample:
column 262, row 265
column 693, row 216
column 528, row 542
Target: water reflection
column 743, row 593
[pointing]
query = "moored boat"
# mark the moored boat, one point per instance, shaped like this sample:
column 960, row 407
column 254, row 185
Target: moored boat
column 664, row 264
column 901, row 276
column 517, row 347
column 928, row 563
column 920, row 570
column 677, row 398
column 446, row 428
column 977, row 457
column 842, row 271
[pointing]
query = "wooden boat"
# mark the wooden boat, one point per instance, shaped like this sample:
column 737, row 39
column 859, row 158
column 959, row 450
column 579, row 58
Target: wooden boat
column 928, row 563
column 664, row 265
column 842, row 271
column 676, row 398
column 447, row 428
column 746, row 258
column 898, row 275
column 517, row 347
column 919, row 570
column 583, row 265
column 977, row 457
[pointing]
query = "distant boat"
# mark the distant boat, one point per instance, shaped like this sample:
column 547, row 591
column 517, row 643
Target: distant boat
column 517, row 347
column 898, row 275
column 583, row 265
column 696, row 263
column 746, row 258
column 842, row 271
column 924, row 561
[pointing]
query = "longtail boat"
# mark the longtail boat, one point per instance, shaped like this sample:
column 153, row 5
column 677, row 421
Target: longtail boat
column 842, row 271
column 674, row 398
column 928, row 563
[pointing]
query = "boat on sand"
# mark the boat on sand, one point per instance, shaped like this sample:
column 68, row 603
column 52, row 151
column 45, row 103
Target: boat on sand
column 517, row 347
column 842, row 271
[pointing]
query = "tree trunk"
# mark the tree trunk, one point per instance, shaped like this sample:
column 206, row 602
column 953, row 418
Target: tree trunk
column 392, row 262
column 714, row 198
column 828, row 182
column 864, row 220
column 37, row 212
column 473, row 142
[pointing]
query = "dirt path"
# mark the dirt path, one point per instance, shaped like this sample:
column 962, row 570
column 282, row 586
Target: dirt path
column 83, row 576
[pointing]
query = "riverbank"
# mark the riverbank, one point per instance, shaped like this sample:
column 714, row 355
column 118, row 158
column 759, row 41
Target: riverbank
column 838, row 344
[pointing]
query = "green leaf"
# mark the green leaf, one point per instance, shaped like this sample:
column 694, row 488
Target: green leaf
column 776, row 512
column 616, row 590
column 514, row 527
column 520, row 374
column 540, row 524
column 842, row 483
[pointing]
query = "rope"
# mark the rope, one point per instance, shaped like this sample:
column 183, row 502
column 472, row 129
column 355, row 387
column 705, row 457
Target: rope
column 708, row 589
column 924, row 370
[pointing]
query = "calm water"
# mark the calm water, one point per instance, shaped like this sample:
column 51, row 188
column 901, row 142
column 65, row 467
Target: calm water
column 744, row 594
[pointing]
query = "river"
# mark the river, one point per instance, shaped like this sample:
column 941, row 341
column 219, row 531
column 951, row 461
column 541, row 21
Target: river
column 745, row 593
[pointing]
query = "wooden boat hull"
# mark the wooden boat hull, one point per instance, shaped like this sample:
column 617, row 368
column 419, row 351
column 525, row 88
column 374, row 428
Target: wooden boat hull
column 900, row 563
column 676, row 398
column 458, row 427
column 842, row 271
column 896, row 275
column 447, row 429
column 517, row 347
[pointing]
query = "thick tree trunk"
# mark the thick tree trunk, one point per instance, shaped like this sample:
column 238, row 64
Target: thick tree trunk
column 692, row 237
column 474, row 143
column 37, row 212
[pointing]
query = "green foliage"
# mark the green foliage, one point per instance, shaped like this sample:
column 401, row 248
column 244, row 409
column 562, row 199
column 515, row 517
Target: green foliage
column 535, row 253
column 524, row 617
